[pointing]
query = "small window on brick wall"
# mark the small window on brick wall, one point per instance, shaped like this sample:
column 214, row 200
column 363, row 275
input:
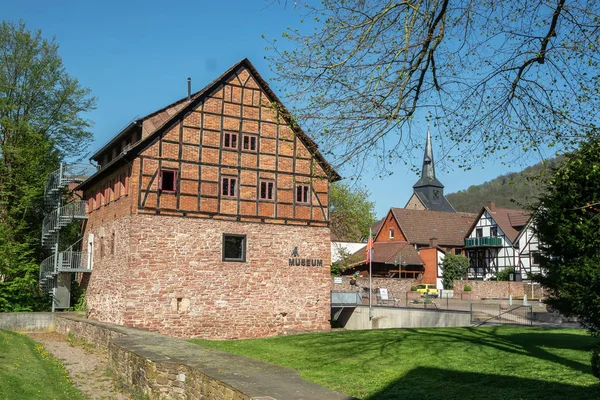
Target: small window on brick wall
column 229, row 186
column 249, row 142
column 302, row 193
column 167, row 180
column 391, row 233
column 266, row 190
column 230, row 140
column 234, row 247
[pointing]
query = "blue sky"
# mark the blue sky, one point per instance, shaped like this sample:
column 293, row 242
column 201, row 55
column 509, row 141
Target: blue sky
column 137, row 55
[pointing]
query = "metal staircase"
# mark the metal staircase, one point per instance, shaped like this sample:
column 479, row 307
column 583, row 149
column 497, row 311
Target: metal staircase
column 60, row 264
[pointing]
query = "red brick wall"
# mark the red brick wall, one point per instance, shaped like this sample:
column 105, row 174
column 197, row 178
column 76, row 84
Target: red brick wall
column 384, row 232
column 194, row 147
column 162, row 258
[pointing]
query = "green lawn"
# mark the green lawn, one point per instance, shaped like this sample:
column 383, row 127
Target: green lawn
column 27, row 371
column 451, row 363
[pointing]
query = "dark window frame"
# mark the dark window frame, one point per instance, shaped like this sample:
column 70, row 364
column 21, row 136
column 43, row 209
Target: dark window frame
column 250, row 139
column 232, row 136
column 161, row 180
column 478, row 232
column 494, row 231
column 304, row 194
column 244, row 247
column 267, row 182
column 235, row 186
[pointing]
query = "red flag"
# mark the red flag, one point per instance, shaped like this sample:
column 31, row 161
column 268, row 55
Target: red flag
column 370, row 248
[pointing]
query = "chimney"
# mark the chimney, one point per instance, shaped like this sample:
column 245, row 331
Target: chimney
column 491, row 205
column 433, row 242
column 189, row 89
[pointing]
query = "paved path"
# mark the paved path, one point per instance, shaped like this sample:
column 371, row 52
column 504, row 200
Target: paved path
column 87, row 365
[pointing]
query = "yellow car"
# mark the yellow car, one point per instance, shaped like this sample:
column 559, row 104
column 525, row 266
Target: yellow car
column 429, row 290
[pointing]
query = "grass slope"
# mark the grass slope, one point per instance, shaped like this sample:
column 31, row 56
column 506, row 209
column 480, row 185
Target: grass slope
column 28, row 371
column 450, row 363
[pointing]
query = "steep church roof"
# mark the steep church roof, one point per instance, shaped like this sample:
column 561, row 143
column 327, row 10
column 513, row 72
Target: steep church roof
column 428, row 189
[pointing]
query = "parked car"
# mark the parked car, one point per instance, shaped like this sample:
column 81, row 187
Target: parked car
column 429, row 290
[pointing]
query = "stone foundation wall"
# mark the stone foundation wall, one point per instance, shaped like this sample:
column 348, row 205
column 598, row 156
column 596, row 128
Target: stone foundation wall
column 498, row 289
column 167, row 275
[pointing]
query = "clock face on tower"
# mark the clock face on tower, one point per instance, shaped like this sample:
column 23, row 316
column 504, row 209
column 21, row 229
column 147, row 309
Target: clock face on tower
column 436, row 194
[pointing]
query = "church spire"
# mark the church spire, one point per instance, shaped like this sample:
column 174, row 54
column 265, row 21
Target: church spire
column 428, row 171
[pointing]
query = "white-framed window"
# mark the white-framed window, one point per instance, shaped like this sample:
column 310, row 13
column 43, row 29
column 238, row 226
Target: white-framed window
column 391, row 233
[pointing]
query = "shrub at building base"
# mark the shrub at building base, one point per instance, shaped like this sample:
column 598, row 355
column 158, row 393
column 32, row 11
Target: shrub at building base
column 455, row 268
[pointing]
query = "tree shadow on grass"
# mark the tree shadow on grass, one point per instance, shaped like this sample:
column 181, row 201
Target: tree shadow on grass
column 434, row 383
column 531, row 342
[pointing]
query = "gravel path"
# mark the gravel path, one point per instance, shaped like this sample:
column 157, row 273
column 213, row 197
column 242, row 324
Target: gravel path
column 87, row 365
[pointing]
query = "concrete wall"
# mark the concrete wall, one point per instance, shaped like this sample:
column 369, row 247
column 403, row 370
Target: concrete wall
column 27, row 321
column 389, row 317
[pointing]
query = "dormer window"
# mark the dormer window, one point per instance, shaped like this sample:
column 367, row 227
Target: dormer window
column 167, row 181
column 391, row 233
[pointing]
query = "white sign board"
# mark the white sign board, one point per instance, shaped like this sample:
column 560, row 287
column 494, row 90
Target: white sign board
column 383, row 293
column 337, row 279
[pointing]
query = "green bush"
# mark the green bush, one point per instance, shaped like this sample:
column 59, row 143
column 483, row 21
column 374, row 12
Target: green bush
column 504, row 275
column 467, row 288
column 454, row 268
column 81, row 304
column 413, row 288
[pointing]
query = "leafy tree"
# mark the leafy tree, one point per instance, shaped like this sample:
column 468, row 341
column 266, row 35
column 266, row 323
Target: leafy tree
column 567, row 223
column 346, row 260
column 502, row 77
column 41, row 123
column 455, row 267
column 351, row 214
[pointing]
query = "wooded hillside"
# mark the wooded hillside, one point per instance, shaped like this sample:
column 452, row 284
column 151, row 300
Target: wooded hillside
column 514, row 190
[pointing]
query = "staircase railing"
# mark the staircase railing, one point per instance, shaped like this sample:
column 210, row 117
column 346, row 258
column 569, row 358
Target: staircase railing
column 66, row 174
column 60, row 218
column 72, row 259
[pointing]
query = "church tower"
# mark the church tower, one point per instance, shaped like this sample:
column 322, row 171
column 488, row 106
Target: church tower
column 428, row 192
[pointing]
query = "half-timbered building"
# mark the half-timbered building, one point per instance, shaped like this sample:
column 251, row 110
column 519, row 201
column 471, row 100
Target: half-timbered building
column 209, row 218
column 501, row 238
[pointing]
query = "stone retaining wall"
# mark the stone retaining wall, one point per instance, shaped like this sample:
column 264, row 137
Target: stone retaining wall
column 394, row 286
column 160, row 367
column 498, row 289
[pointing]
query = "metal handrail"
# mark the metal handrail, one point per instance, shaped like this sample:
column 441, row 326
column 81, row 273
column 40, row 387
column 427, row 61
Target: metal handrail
column 530, row 319
column 47, row 267
column 73, row 260
column 63, row 216
column 68, row 173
